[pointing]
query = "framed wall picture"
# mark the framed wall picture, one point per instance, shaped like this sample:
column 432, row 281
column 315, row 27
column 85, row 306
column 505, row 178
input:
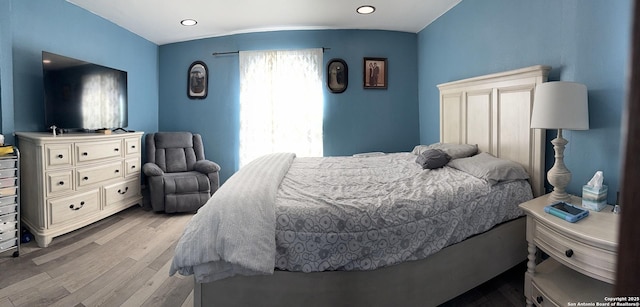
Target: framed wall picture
column 198, row 80
column 337, row 75
column 375, row 73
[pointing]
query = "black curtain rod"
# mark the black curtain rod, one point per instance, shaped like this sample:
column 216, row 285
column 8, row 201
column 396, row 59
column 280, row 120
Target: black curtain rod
column 234, row 52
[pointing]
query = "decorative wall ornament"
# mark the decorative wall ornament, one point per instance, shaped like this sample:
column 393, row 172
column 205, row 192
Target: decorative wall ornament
column 337, row 75
column 197, row 80
column 375, row 73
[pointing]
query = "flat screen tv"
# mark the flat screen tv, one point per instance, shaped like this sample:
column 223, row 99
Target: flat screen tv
column 82, row 96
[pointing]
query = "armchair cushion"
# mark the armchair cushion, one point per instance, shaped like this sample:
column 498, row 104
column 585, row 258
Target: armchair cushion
column 151, row 169
column 206, row 166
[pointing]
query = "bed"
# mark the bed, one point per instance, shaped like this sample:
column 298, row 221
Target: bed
column 491, row 111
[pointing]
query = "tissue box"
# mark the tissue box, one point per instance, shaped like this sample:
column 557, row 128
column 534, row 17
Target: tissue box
column 594, row 199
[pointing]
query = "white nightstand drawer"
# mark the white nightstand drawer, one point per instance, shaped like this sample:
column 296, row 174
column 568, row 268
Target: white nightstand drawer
column 539, row 298
column 589, row 260
column 72, row 208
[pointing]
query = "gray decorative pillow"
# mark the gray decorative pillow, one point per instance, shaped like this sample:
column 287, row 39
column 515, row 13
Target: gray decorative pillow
column 455, row 151
column 433, row 158
column 485, row 166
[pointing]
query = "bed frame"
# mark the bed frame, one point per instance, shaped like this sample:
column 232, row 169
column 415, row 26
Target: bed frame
column 492, row 111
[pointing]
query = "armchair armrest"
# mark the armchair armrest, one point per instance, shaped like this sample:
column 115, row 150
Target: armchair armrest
column 206, row 167
column 151, row 169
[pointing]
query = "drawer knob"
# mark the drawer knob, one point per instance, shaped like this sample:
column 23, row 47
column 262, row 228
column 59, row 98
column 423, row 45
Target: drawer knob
column 85, row 178
column 85, row 153
column 568, row 253
column 73, row 207
column 133, row 146
column 125, row 191
column 117, row 171
column 61, row 183
column 116, row 149
column 539, row 299
column 60, row 156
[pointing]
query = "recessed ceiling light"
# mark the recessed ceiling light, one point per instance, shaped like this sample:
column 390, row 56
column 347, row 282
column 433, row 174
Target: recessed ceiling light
column 46, row 61
column 366, row 9
column 189, row 22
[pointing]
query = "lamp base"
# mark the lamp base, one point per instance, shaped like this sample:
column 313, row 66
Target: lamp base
column 559, row 176
column 556, row 196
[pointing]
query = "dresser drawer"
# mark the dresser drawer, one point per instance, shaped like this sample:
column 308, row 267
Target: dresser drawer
column 132, row 166
column 120, row 191
column 9, row 235
column 8, row 182
column 8, row 222
column 8, row 173
column 94, row 151
column 74, row 208
column 88, row 176
column 9, row 200
column 132, row 145
column 8, row 163
column 58, row 155
column 59, row 182
column 8, row 209
column 8, row 244
column 8, row 191
column 590, row 260
column 539, row 298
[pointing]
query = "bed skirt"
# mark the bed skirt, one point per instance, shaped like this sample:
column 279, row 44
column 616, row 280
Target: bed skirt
column 427, row 282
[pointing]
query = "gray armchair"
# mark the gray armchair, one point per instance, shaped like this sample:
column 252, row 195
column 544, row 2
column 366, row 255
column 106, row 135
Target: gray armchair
column 179, row 177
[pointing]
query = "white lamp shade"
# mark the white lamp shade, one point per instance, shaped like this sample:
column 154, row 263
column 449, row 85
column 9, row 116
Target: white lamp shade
column 560, row 105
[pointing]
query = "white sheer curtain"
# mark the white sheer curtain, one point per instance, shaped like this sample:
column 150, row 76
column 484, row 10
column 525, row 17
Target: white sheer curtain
column 280, row 103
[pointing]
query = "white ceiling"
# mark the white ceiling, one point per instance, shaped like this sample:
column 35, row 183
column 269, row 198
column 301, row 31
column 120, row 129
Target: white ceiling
column 159, row 20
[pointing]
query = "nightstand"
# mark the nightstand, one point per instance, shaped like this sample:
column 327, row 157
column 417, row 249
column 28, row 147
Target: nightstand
column 582, row 256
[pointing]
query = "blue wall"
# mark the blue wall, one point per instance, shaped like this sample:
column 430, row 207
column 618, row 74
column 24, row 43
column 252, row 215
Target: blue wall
column 6, row 69
column 586, row 41
column 60, row 27
column 357, row 120
column 583, row 40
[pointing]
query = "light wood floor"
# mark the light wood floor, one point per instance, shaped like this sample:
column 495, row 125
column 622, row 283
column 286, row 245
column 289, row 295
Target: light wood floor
column 124, row 261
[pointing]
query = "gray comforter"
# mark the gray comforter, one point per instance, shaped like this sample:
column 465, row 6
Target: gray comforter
column 338, row 213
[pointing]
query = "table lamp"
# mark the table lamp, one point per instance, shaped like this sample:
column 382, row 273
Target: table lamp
column 560, row 105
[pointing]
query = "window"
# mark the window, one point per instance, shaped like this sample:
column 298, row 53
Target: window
column 280, row 103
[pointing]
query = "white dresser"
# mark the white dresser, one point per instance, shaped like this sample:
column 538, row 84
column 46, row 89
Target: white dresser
column 72, row 180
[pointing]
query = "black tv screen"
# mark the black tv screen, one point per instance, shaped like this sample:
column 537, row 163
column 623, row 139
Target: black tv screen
column 79, row 95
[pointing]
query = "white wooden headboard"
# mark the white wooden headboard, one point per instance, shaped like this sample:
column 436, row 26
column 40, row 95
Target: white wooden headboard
column 494, row 111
